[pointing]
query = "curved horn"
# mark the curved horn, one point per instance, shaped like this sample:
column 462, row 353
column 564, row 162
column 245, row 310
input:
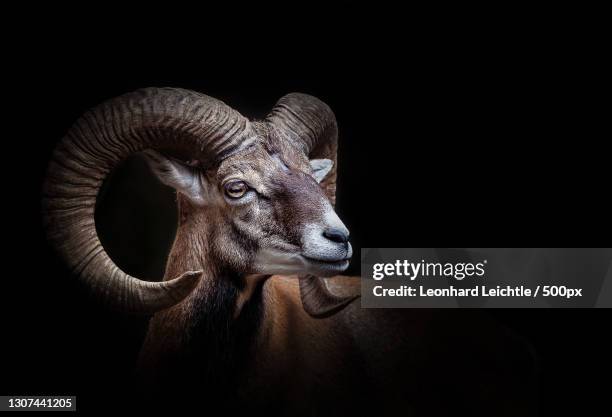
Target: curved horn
column 156, row 118
column 310, row 125
column 317, row 301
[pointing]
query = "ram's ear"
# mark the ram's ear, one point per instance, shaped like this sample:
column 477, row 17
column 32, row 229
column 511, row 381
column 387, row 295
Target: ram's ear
column 320, row 168
column 183, row 178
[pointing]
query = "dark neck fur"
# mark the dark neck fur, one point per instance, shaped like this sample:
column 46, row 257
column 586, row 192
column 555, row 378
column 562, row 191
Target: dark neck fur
column 213, row 334
column 199, row 342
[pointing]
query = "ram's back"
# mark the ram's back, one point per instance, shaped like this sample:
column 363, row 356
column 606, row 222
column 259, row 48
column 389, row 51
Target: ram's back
column 428, row 361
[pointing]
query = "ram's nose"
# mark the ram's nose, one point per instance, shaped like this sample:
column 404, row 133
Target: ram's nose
column 336, row 234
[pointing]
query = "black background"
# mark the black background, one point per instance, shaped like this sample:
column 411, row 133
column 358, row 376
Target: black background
column 463, row 137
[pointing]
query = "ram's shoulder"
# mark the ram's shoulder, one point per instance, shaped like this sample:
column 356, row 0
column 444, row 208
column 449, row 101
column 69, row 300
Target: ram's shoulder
column 282, row 296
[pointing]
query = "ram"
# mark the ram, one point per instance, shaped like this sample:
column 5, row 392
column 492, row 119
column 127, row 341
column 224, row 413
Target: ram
column 243, row 316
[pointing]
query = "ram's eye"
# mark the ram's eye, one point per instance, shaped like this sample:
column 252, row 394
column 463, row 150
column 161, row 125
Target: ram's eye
column 235, row 189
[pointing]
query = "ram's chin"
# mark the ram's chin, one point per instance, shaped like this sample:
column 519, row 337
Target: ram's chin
column 277, row 262
column 325, row 268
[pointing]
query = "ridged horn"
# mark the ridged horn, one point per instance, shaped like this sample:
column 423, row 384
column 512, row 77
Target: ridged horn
column 310, row 125
column 318, row 301
column 151, row 118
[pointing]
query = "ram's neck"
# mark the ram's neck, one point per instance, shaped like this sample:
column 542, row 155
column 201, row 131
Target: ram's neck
column 203, row 333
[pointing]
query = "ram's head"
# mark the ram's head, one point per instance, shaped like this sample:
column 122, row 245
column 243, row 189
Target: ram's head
column 261, row 191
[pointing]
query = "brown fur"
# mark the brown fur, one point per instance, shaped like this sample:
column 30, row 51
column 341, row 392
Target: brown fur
column 246, row 342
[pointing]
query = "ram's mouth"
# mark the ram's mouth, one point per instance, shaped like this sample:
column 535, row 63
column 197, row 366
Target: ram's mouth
column 337, row 265
column 283, row 262
column 327, row 261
